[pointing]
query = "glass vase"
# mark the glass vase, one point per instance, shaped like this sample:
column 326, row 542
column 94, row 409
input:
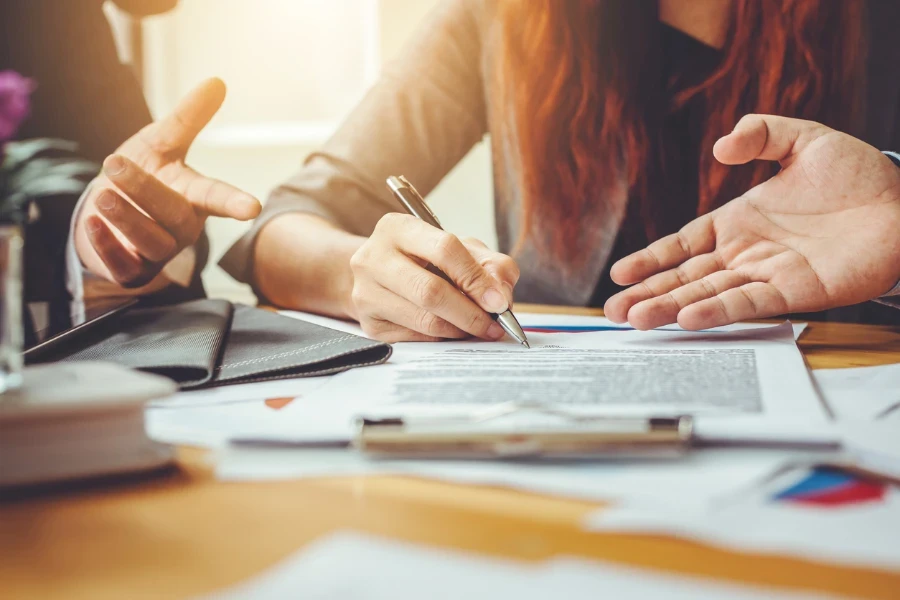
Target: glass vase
column 11, row 334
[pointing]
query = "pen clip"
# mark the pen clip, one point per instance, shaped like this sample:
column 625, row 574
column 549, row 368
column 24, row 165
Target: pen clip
column 399, row 184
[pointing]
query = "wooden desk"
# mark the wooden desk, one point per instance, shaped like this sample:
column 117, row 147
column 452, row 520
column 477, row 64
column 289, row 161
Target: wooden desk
column 184, row 533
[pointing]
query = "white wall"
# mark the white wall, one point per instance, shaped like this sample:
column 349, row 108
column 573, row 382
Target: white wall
column 293, row 67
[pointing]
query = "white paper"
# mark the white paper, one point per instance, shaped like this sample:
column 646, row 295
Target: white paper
column 529, row 320
column 562, row 322
column 336, row 324
column 242, row 392
column 873, row 446
column 862, row 533
column 208, row 426
column 864, row 393
column 701, row 478
column 348, row 565
column 782, row 396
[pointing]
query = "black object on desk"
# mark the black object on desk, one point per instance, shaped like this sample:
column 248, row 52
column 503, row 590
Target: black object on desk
column 206, row 343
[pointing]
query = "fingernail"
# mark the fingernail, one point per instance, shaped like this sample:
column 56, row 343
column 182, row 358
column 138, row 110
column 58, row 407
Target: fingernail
column 494, row 301
column 495, row 332
column 93, row 225
column 113, row 165
column 106, row 201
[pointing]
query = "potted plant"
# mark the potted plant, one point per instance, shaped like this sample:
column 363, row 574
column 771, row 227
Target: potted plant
column 28, row 171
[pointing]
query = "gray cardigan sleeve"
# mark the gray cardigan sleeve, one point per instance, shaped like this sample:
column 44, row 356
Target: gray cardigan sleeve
column 422, row 116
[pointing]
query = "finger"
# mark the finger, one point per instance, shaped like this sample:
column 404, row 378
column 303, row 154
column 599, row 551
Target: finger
column 500, row 266
column 664, row 309
column 617, row 307
column 125, row 268
column 756, row 300
column 217, row 198
column 427, row 291
column 444, row 250
column 385, row 331
column 177, row 131
column 149, row 239
column 384, row 305
column 163, row 204
column 696, row 238
column 767, row 137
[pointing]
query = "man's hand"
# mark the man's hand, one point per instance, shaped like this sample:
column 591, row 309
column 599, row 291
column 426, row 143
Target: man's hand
column 148, row 205
column 824, row 232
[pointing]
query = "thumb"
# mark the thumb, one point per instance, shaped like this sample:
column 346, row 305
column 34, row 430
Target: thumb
column 767, row 137
column 177, row 131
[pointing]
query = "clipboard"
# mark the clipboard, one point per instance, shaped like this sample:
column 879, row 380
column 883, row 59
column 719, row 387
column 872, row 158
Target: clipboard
column 483, row 435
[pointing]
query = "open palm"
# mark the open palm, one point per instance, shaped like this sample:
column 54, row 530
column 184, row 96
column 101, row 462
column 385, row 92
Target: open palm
column 824, row 232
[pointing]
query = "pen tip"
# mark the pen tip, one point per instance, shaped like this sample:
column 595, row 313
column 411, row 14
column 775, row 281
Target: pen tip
column 526, row 344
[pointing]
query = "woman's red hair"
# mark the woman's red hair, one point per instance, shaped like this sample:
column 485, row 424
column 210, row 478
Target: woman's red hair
column 579, row 75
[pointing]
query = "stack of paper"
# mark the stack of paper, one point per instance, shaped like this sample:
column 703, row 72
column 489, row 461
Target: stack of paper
column 821, row 513
column 818, row 514
column 749, row 383
column 865, row 393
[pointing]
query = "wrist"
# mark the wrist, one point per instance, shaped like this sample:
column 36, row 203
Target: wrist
column 302, row 261
column 894, row 291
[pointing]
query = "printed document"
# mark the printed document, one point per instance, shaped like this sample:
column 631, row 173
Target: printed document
column 748, row 383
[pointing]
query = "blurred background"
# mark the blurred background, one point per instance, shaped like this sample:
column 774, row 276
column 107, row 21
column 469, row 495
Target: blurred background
column 294, row 69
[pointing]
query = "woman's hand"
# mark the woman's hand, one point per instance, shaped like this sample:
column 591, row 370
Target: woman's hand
column 148, row 204
column 396, row 299
column 823, row 232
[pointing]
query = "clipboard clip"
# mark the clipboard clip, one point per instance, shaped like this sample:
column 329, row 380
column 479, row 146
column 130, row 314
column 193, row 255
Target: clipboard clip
column 525, row 431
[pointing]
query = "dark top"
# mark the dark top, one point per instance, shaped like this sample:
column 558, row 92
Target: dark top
column 687, row 62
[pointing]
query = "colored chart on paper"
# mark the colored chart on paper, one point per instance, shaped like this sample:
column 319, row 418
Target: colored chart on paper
column 831, row 488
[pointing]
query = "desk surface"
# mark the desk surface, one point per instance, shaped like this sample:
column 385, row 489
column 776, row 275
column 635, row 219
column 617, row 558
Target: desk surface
column 183, row 533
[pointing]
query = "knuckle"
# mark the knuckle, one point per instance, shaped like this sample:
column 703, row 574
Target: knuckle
column 748, row 298
column 477, row 323
column 447, row 246
column 140, row 181
column 474, row 277
column 360, row 259
column 357, row 296
column 390, row 222
column 471, row 241
column 428, row 291
column 130, row 277
column 376, row 330
column 428, row 323
column 672, row 300
column 509, row 266
column 683, row 243
column 168, row 247
column 708, row 287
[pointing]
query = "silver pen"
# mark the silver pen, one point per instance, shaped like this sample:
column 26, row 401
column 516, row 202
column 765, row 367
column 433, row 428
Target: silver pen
column 415, row 205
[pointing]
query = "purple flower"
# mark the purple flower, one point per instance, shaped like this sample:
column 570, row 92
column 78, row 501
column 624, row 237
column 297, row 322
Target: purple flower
column 14, row 106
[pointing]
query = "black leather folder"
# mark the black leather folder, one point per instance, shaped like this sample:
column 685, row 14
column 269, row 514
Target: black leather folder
column 207, row 343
